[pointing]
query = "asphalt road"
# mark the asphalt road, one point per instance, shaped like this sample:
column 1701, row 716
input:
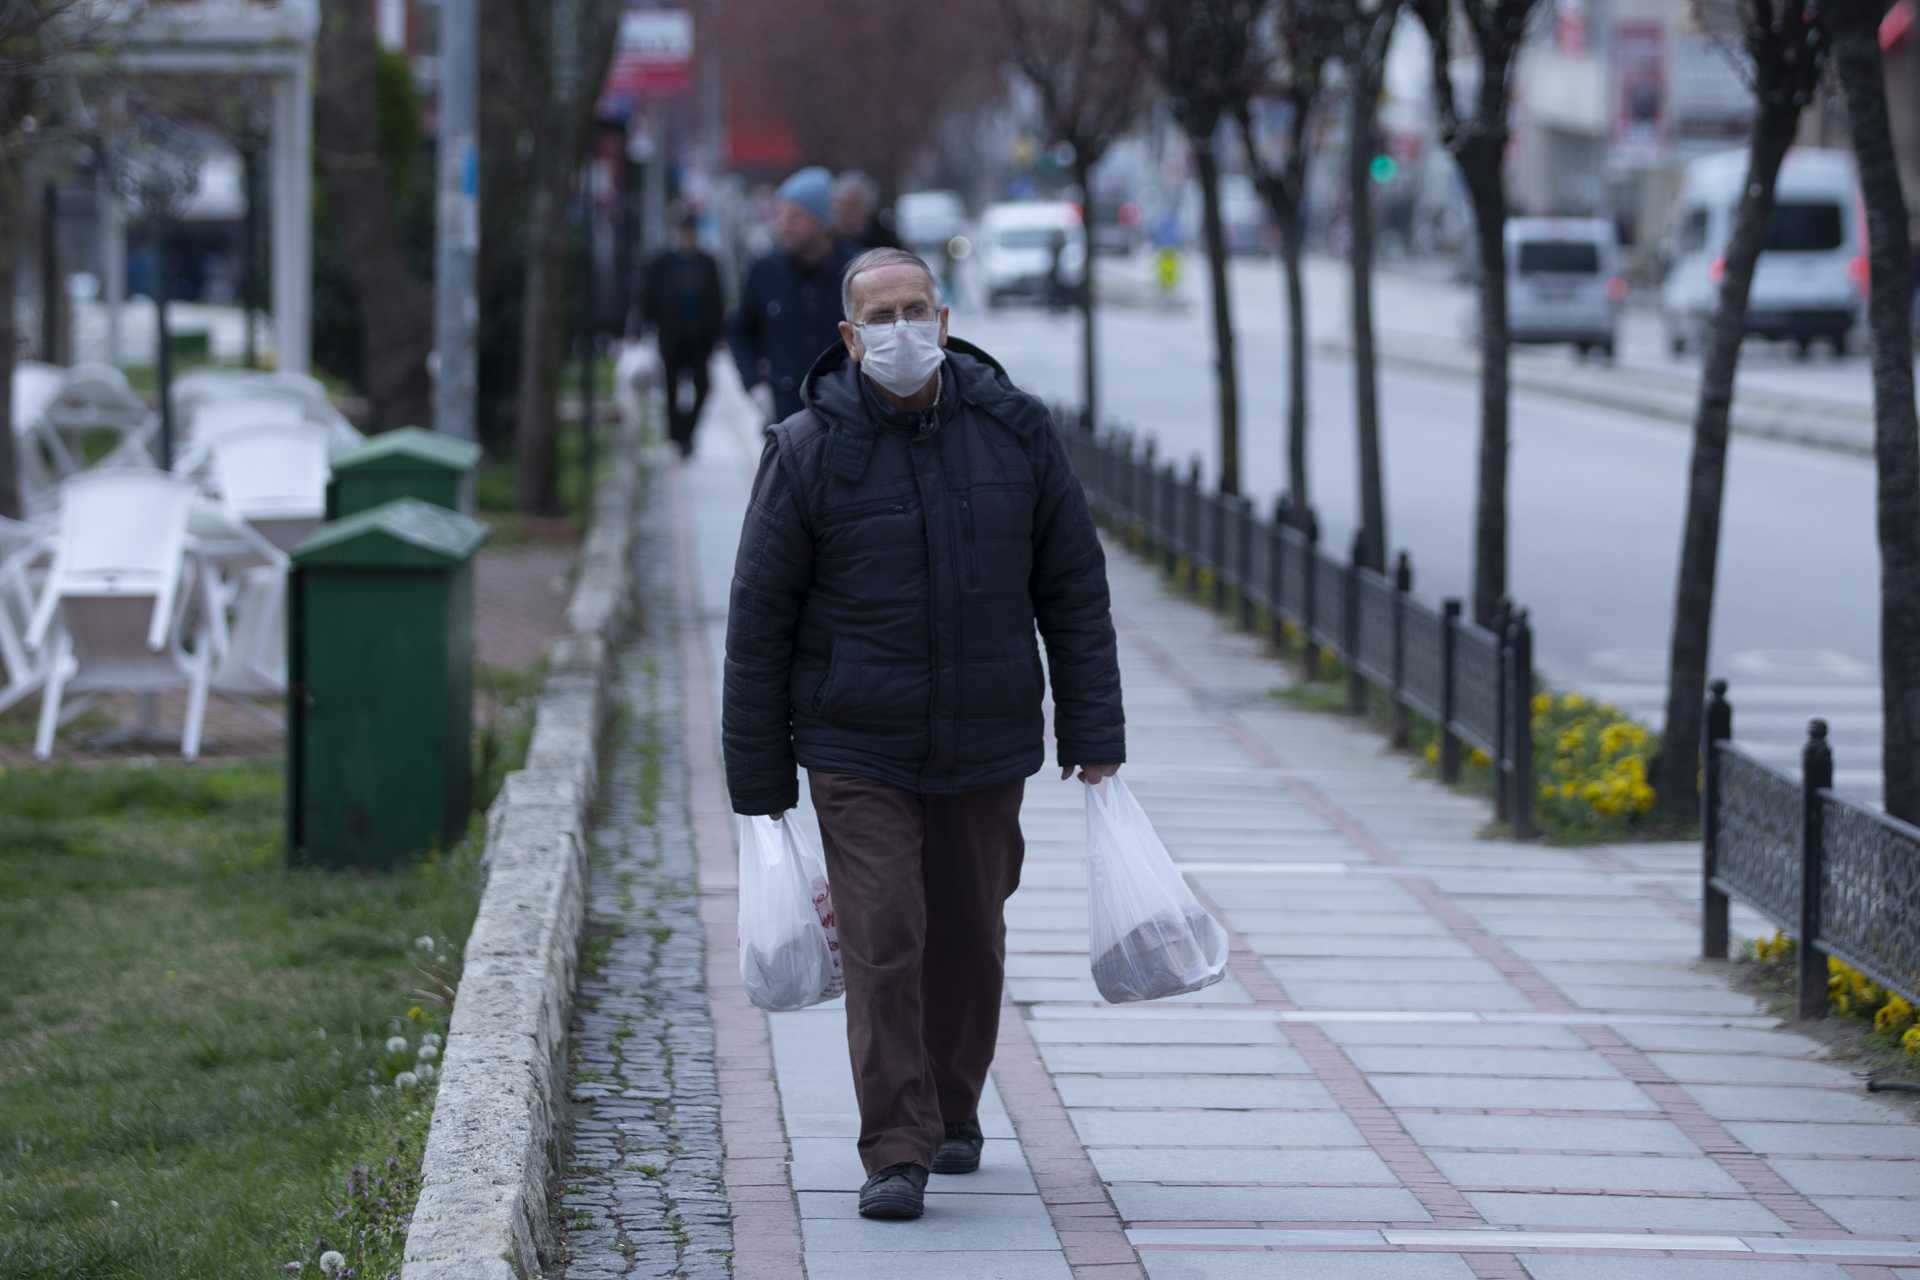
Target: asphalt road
column 1596, row 506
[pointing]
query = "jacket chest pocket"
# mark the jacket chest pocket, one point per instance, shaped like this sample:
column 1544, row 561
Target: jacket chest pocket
column 996, row 536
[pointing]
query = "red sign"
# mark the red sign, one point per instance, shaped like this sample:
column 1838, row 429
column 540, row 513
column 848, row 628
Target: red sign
column 654, row 58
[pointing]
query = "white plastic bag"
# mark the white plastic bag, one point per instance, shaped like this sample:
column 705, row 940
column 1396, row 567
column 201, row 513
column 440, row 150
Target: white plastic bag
column 1150, row 938
column 789, row 947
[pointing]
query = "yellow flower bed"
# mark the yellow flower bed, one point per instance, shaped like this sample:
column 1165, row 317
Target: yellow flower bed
column 1851, row 994
column 1590, row 763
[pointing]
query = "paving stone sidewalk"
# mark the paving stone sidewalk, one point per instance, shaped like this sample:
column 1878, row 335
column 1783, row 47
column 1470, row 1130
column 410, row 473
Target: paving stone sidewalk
column 1435, row 1056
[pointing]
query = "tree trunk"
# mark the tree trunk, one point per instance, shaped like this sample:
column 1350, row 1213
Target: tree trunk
column 396, row 308
column 1373, row 501
column 1089, row 363
column 1226, row 370
column 536, row 429
column 12, row 193
column 1896, row 439
column 1676, row 772
column 1292, row 235
column 1482, row 169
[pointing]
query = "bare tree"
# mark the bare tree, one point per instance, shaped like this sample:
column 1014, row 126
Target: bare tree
column 1783, row 52
column 1091, row 87
column 1207, row 55
column 1854, row 26
column 943, row 62
column 35, row 36
column 1367, row 27
column 395, row 303
column 1477, row 140
column 1301, row 42
column 578, row 39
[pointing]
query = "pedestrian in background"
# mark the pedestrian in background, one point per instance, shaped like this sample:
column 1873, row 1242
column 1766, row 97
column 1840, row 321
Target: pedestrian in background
column 856, row 212
column 681, row 301
column 906, row 533
column 789, row 310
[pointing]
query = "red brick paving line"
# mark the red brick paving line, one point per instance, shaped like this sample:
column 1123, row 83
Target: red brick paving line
column 767, row 1243
column 1084, row 1216
column 1749, row 1170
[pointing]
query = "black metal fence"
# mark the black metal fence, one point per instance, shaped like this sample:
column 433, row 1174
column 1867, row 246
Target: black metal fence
column 1840, row 877
column 1475, row 685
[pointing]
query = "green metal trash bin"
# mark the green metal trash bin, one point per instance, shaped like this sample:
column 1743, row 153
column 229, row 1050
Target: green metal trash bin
column 380, row 685
column 408, row 463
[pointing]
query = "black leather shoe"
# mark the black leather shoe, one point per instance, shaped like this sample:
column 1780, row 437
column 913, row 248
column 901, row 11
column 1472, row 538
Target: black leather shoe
column 960, row 1153
column 896, row 1193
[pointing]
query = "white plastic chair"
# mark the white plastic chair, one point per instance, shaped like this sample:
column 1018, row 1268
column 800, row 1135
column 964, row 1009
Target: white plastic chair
column 274, row 478
column 41, row 457
column 117, row 597
column 23, row 670
column 218, row 419
column 98, row 398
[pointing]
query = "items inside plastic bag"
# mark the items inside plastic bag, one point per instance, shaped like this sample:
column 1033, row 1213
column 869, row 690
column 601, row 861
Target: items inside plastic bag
column 1149, row 936
column 789, row 945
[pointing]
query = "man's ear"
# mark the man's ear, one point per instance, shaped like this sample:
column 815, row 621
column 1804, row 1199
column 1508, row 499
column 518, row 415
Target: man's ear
column 851, row 338
column 945, row 313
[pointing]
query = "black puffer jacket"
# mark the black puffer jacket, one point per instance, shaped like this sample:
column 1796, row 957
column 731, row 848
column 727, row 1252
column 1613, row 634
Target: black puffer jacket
column 890, row 575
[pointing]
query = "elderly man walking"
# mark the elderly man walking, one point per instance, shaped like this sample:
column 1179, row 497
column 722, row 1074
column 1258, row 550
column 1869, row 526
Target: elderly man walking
column 789, row 309
column 907, row 531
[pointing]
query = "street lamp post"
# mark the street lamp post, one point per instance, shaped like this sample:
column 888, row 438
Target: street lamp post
column 159, row 169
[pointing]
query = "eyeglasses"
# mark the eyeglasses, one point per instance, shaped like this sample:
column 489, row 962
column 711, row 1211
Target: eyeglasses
column 914, row 312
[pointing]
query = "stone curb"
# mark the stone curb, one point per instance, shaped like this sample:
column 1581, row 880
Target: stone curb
column 491, row 1154
column 1757, row 415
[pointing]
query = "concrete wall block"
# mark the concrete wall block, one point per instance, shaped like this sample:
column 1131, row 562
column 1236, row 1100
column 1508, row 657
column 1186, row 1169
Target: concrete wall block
column 521, row 1001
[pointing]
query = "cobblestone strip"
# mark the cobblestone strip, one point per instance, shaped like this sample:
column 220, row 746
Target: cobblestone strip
column 642, row 1193
column 766, row 1217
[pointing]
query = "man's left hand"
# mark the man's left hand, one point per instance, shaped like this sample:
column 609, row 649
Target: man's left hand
column 1091, row 774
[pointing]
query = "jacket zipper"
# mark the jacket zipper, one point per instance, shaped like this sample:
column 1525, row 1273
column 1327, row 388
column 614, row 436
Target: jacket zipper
column 826, row 685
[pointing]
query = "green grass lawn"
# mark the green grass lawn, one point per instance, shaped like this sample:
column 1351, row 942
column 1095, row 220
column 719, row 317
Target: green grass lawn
column 190, row 1032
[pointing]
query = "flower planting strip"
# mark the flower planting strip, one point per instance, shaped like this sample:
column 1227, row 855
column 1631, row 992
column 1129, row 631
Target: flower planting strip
column 493, row 1147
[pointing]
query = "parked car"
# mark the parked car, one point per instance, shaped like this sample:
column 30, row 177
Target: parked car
column 1018, row 242
column 1117, row 226
column 926, row 221
column 1812, row 275
column 1564, row 283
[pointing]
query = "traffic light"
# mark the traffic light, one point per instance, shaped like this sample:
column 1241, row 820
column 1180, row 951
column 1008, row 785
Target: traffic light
column 1384, row 168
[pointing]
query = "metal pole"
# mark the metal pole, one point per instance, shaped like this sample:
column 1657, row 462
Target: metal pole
column 1449, row 690
column 586, row 343
column 250, row 250
column 456, row 304
column 163, row 357
column 52, row 290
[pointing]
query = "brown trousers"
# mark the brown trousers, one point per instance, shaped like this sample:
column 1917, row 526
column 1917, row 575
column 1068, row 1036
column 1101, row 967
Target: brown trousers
column 919, row 885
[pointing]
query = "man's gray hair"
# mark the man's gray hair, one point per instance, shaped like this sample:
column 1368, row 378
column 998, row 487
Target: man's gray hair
column 854, row 180
column 873, row 260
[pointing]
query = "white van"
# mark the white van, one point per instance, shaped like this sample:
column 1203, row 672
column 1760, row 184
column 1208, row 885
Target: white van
column 1811, row 278
column 1564, row 283
column 1017, row 246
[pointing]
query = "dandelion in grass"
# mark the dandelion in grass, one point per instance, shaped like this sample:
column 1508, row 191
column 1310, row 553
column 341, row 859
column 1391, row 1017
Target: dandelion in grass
column 333, row 1263
column 406, row 1080
column 424, row 943
column 429, row 1052
column 431, row 1038
column 426, row 1072
column 396, row 1044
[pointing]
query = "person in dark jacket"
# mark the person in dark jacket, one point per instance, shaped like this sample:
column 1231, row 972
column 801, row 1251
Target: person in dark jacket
column 856, row 212
column 682, row 303
column 789, row 309
column 908, row 530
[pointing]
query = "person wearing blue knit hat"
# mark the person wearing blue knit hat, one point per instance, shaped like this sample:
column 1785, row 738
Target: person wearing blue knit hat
column 789, row 309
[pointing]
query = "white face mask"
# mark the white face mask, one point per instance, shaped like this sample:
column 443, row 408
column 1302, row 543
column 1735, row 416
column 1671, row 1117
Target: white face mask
column 900, row 356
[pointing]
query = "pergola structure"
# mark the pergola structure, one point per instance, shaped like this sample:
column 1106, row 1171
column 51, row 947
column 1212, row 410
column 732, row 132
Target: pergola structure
column 263, row 40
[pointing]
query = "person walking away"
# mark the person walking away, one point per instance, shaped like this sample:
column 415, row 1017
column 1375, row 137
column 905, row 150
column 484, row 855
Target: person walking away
column 1057, row 270
column 907, row 531
column 789, row 309
column 856, row 212
column 682, row 303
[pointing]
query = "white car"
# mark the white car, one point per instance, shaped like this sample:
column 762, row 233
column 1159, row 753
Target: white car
column 927, row 222
column 1019, row 243
column 1811, row 279
column 1563, row 283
